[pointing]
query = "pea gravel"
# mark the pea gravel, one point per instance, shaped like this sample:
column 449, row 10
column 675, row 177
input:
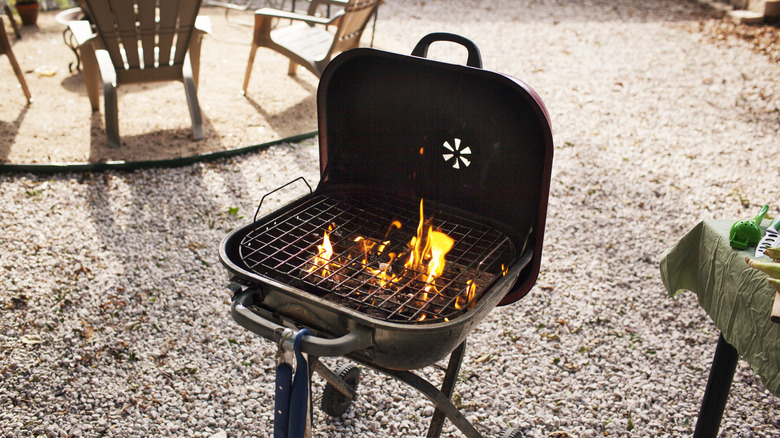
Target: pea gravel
column 115, row 319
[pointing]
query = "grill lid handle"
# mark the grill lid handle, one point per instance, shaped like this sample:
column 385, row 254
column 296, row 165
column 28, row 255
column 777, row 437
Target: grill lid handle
column 474, row 59
column 358, row 339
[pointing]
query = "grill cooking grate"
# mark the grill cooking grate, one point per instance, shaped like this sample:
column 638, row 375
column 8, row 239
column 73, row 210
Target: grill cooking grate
column 288, row 247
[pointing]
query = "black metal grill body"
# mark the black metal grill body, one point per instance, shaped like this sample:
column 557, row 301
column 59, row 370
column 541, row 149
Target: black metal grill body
column 273, row 254
column 473, row 144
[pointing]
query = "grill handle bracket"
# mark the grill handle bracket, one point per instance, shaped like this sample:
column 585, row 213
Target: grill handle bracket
column 357, row 339
column 276, row 190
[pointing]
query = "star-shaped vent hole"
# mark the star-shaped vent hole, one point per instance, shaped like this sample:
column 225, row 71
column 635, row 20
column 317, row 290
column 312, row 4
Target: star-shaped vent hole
column 457, row 153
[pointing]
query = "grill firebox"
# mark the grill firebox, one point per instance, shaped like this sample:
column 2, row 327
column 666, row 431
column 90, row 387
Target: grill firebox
column 370, row 235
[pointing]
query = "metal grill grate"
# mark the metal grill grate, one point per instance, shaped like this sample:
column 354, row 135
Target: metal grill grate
column 287, row 249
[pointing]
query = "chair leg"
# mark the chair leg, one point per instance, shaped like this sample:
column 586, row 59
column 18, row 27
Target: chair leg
column 19, row 74
column 249, row 64
column 194, row 53
column 191, row 90
column 192, row 102
column 293, row 69
column 112, row 115
column 107, row 77
column 14, row 26
column 91, row 76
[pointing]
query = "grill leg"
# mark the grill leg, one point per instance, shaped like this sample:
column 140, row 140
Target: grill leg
column 331, row 377
column 444, row 406
column 447, row 387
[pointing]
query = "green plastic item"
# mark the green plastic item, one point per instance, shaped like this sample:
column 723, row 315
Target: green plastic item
column 747, row 232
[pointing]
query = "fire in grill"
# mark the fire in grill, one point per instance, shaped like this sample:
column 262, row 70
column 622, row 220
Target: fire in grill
column 345, row 248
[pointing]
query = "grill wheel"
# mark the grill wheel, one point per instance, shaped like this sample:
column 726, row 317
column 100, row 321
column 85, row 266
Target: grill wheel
column 334, row 403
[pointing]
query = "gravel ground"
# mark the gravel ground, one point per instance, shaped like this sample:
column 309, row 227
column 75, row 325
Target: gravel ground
column 115, row 317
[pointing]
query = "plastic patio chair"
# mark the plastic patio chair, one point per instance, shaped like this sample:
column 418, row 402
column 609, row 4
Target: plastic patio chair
column 166, row 38
column 5, row 49
column 303, row 41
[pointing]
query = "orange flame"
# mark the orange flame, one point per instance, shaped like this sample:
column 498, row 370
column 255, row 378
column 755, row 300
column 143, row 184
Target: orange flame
column 381, row 275
column 471, row 290
column 436, row 245
column 440, row 244
column 324, row 254
column 426, row 260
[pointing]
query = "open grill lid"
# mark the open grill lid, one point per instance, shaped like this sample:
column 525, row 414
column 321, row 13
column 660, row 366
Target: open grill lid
column 459, row 135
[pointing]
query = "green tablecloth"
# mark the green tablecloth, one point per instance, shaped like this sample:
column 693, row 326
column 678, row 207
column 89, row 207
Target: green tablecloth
column 735, row 296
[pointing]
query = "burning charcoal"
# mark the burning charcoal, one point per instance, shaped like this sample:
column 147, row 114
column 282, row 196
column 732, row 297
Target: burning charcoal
column 376, row 312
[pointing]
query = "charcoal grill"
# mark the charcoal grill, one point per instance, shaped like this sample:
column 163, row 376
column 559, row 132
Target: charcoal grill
column 408, row 146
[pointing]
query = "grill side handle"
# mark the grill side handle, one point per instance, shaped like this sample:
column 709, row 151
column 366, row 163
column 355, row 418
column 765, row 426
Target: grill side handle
column 300, row 178
column 358, row 339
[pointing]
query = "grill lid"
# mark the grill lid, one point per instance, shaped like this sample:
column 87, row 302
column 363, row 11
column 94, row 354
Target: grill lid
column 458, row 135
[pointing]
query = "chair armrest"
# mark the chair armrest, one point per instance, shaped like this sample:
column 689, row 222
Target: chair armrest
column 228, row 5
column 82, row 31
column 107, row 71
column 331, row 2
column 203, row 24
column 275, row 13
column 314, row 5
